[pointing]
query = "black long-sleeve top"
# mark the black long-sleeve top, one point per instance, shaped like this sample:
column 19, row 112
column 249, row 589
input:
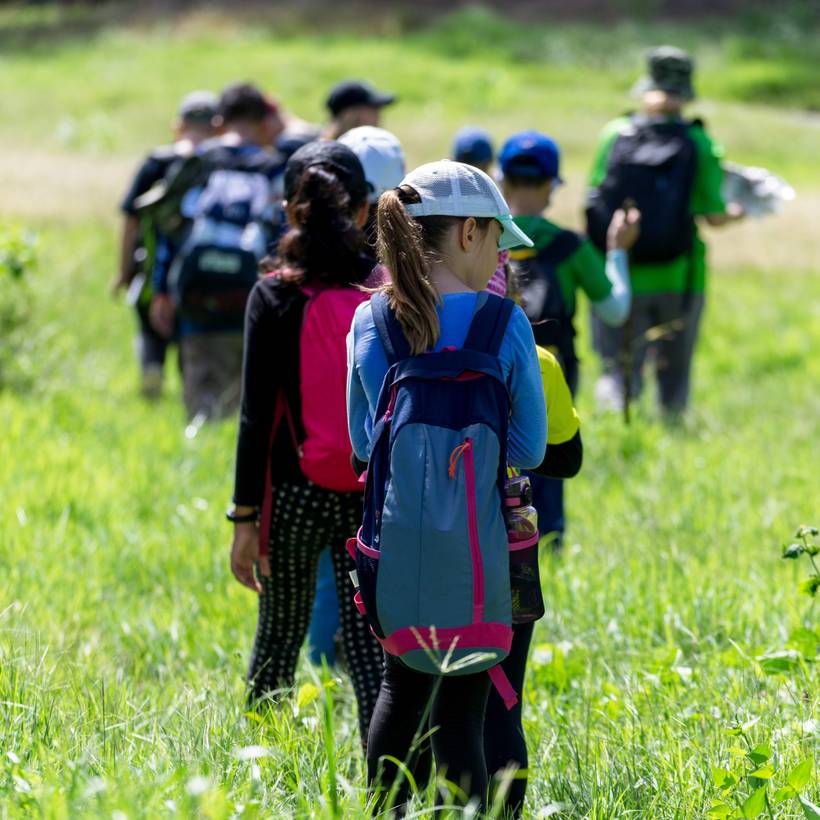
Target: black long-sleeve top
column 273, row 321
column 273, row 325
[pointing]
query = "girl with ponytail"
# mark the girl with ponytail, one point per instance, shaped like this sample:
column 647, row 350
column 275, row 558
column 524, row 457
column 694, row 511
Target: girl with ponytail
column 439, row 234
column 287, row 507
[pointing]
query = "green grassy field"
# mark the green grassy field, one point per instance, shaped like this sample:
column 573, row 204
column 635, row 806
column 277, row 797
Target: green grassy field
column 123, row 637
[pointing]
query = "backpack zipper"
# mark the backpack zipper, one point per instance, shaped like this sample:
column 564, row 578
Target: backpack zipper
column 388, row 414
column 466, row 450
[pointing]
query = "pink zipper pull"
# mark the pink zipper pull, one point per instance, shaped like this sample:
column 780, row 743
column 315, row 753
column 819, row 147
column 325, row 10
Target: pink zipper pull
column 391, row 404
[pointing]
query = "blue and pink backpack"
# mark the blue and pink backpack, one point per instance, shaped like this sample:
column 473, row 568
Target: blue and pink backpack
column 432, row 555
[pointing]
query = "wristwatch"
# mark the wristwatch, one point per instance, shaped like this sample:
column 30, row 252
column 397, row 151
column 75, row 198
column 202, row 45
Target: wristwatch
column 242, row 518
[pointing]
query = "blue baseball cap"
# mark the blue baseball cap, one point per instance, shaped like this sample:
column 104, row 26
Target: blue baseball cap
column 472, row 145
column 530, row 154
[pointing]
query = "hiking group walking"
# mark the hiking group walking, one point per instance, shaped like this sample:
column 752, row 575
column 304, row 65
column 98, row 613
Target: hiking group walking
column 404, row 370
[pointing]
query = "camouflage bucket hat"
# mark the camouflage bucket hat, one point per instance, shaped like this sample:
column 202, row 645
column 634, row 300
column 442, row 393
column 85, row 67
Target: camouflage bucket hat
column 670, row 70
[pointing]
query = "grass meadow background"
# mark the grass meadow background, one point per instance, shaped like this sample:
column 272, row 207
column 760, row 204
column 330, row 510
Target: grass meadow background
column 124, row 638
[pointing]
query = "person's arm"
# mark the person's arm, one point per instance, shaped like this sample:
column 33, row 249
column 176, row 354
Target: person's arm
column 266, row 330
column 606, row 280
column 734, row 212
column 128, row 245
column 162, row 310
column 264, row 347
column 562, row 460
column 146, row 176
column 359, row 421
column 614, row 308
column 527, row 434
column 707, row 200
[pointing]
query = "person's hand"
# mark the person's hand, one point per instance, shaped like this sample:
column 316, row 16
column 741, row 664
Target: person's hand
column 245, row 555
column 624, row 229
column 162, row 315
column 735, row 211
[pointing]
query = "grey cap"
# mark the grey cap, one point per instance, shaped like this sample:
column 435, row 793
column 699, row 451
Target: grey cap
column 670, row 70
column 198, row 106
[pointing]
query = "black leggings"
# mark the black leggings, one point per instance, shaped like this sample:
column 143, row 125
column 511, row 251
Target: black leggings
column 305, row 519
column 454, row 708
column 505, row 745
column 474, row 737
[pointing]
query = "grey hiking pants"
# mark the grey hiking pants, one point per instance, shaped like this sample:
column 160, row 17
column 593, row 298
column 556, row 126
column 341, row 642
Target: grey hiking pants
column 211, row 373
column 663, row 327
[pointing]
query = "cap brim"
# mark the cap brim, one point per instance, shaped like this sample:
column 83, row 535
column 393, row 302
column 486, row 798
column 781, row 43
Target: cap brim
column 381, row 100
column 648, row 84
column 512, row 236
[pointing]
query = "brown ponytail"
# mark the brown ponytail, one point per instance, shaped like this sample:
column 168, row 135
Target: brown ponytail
column 402, row 251
column 406, row 247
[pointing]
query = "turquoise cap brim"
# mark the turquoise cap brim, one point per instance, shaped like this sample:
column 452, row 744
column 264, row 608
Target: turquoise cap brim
column 513, row 236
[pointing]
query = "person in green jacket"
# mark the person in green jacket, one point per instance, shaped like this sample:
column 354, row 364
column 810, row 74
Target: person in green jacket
column 549, row 276
column 659, row 158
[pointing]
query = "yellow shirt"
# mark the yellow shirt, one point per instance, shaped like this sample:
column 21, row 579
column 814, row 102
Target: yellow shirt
column 562, row 419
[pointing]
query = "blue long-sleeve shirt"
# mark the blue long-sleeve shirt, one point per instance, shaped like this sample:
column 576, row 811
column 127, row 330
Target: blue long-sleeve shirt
column 367, row 366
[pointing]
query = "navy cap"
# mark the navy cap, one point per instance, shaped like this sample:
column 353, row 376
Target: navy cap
column 473, row 146
column 334, row 156
column 530, row 154
column 350, row 93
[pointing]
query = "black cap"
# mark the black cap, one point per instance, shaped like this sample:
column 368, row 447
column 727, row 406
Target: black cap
column 352, row 92
column 334, row 156
column 243, row 101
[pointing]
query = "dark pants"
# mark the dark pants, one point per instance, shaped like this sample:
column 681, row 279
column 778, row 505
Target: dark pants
column 211, row 373
column 152, row 348
column 305, row 519
column 548, row 500
column 662, row 327
column 505, row 745
column 453, row 707
column 474, row 746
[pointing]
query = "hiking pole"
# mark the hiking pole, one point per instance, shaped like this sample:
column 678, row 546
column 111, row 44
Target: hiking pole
column 627, row 357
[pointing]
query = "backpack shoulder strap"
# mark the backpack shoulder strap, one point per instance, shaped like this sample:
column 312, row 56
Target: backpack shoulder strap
column 390, row 333
column 490, row 319
column 560, row 248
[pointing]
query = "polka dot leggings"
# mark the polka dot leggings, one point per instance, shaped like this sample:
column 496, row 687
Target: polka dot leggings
column 305, row 519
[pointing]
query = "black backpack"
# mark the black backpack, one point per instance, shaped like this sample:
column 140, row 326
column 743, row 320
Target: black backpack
column 231, row 229
column 535, row 274
column 652, row 163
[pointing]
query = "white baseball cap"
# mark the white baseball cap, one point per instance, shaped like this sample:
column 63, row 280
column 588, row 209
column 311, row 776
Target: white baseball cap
column 381, row 156
column 450, row 188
